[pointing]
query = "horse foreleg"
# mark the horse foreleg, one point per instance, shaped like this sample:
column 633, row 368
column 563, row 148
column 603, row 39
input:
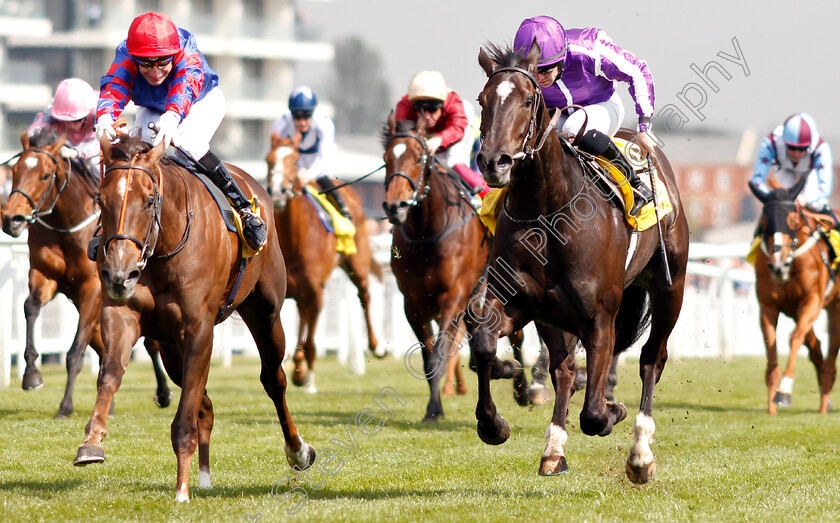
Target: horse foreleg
column 485, row 331
column 451, row 352
column 808, row 313
column 41, row 291
column 538, row 392
column 205, row 427
column 354, row 268
column 598, row 416
column 561, row 367
column 829, row 368
column 89, row 303
column 120, row 331
column 163, row 396
column 433, row 364
column 773, row 373
column 520, row 381
column 299, row 357
column 185, row 432
column 815, row 354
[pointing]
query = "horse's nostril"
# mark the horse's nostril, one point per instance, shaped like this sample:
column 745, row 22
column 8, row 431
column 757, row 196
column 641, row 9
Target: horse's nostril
column 134, row 275
column 403, row 204
column 504, row 160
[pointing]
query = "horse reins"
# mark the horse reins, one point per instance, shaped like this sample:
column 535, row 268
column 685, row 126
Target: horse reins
column 425, row 171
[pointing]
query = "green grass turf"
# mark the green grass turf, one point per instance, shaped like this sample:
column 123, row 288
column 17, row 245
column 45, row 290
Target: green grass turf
column 720, row 457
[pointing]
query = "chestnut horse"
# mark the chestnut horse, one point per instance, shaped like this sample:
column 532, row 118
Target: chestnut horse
column 439, row 253
column 56, row 200
column 792, row 277
column 310, row 253
column 588, row 275
column 170, row 269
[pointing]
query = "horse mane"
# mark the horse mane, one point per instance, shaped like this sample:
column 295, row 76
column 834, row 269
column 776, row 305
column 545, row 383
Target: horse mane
column 43, row 136
column 127, row 147
column 403, row 126
column 505, row 56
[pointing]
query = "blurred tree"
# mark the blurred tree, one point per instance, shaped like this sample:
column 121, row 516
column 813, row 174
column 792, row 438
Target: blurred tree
column 359, row 93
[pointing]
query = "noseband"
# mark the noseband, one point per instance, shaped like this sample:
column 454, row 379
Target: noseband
column 420, row 191
column 795, row 250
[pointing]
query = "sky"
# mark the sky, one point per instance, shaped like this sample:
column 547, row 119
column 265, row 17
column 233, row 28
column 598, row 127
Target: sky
column 784, row 65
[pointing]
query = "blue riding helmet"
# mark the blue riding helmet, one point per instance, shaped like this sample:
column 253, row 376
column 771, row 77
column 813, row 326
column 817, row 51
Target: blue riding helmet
column 302, row 99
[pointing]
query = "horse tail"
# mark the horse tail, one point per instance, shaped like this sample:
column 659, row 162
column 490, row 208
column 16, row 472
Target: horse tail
column 632, row 319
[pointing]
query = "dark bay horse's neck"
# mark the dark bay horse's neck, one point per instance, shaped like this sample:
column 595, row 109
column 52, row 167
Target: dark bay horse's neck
column 543, row 184
column 437, row 211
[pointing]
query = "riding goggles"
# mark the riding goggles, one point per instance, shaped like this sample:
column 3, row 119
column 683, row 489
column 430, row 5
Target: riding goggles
column 153, row 61
column 548, row 68
column 301, row 115
column 800, row 148
column 427, row 107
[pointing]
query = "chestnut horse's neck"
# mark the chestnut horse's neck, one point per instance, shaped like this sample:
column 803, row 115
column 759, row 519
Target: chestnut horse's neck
column 73, row 202
column 176, row 186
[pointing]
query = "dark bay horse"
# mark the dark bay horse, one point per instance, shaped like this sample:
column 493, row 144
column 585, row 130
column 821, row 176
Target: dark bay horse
column 170, row 270
column 55, row 199
column 310, row 254
column 792, row 278
column 566, row 259
column 439, row 253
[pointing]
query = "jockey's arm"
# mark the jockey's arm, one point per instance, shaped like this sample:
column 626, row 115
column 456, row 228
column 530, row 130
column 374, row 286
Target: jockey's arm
column 766, row 158
column 327, row 151
column 823, row 169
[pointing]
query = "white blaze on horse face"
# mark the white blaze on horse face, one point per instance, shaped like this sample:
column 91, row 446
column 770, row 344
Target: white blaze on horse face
column 398, row 150
column 31, row 162
column 503, row 90
column 122, row 186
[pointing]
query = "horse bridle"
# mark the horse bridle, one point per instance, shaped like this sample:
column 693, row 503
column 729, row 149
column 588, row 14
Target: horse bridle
column 37, row 210
column 796, row 250
column 420, row 190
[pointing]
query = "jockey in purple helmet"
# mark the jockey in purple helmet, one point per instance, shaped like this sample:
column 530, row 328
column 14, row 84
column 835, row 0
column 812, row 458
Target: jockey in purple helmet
column 581, row 66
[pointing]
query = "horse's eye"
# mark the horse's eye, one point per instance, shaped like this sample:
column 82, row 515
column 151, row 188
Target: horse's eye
column 46, row 176
column 529, row 101
column 150, row 202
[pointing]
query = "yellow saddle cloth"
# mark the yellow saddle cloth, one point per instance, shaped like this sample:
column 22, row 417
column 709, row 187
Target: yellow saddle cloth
column 345, row 231
column 833, row 240
column 492, row 202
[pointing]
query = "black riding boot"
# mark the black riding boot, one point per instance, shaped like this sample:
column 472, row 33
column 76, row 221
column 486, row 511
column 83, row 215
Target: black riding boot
column 327, row 184
column 597, row 143
column 253, row 228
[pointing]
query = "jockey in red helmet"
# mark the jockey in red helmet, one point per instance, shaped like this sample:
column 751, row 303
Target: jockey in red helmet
column 581, row 66
column 159, row 67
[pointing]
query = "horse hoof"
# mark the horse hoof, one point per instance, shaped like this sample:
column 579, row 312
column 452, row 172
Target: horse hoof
column 61, row 415
column 500, row 427
column 89, row 454
column 32, row 381
column 521, row 396
column 782, row 399
column 640, row 475
column 298, row 378
column 377, row 354
column 539, row 394
column 553, row 466
column 431, row 419
column 163, row 400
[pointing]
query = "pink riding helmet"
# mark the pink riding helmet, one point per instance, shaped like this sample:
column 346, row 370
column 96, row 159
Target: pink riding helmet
column 74, row 99
column 799, row 130
column 550, row 36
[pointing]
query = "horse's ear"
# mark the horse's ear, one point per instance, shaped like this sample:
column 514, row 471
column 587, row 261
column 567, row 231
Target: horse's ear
column 24, row 139
column 297, row 139
column 157, row 151
column 533, row 56
column 797, row 187
column 60, row 141
column 105, row 144
column 757, row 193
column 486, row 62
column 420, row 126
column 392, row 123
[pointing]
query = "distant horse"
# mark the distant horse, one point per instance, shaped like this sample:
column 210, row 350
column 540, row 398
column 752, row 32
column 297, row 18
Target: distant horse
column 792, row 277
column 566, row 259
column 56, row 200
column 170, row 270
column 438, row 255
column 310, row 253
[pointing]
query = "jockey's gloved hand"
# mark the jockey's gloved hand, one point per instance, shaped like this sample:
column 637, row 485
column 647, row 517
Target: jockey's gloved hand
column 433, row 142
column 105, row 127
column 647, row 141
column 68, row 152
column 167, row 131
